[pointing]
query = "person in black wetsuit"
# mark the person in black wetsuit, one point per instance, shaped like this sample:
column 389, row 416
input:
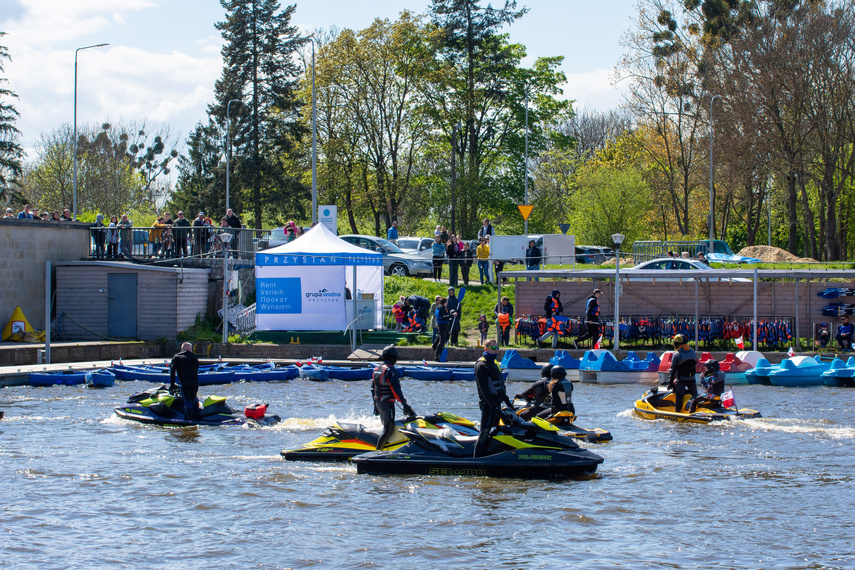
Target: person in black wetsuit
column 560, row 392
column 491, row 394
column 536, row 394
column 185, row 366
column 713, row 382
column 386, row 390
column 682, row 378
column 592, row 318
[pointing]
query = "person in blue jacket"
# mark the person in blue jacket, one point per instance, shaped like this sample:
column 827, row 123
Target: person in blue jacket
column 392, row 234
column 844, row 334
column 443, row 321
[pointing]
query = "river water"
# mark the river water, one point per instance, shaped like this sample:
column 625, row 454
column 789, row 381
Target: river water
column 84, row 489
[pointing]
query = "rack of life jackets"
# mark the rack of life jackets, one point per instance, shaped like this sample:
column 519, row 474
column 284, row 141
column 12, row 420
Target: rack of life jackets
column 771, row 331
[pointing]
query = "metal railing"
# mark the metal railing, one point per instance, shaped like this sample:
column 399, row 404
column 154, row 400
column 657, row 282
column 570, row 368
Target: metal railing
column 175, row 243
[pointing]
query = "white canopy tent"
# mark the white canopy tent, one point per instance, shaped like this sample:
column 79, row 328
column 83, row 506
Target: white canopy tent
column 301, row 285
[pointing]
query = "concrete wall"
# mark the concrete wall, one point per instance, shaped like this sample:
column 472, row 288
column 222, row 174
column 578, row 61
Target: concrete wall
column 715, row 298
column 27, row 246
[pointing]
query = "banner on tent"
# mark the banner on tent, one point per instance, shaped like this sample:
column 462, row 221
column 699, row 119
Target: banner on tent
column 283, row 260
column 307, row 302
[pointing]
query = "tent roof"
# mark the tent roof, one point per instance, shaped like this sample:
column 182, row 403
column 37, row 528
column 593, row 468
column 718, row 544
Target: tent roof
column 319, row 241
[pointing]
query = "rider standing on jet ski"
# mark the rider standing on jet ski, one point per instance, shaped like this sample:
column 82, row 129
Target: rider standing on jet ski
column 491, row 393
column 536, row 394
column 386, row 390
column 186, row 366
column 683, row 365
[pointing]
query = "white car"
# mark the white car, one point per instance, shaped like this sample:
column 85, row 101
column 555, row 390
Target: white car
column 395, row 260
column 670, row 263
column 420, row 246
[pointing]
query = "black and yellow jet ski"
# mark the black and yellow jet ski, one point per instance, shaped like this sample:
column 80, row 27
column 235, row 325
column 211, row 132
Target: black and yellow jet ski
column 517, row 449
column 566, row 422
column 159, row 406
column 342, row 441
column 658, row 403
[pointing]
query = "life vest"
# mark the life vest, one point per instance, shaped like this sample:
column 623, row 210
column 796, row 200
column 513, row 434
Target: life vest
column 504, row 320
column 496, row 380
column 398, row 311
column 554, row 325
column 381, row 387
column 561, row 394
column 592, row 304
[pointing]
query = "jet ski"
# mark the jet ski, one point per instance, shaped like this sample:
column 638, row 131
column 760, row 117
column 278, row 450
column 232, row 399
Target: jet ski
column 565, row 421
column 658, row 403
column 160, row 406
column 343, row 441
column 517, row 449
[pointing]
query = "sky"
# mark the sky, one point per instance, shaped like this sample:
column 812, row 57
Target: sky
column 163, row 56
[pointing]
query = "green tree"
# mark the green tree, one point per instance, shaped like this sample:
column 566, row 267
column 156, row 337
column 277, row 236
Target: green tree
column 260, row 70
column 11, row 152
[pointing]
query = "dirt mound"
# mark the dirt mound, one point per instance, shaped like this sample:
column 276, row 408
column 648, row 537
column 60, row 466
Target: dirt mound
column 769, row 254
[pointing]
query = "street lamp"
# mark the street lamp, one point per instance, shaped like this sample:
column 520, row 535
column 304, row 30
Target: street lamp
column 711, row 174
column 314, row 142
column 226, row 237
column 454, row 130
column 525, row 172
column 74, row 200
column 618, row 239
column 229, row 145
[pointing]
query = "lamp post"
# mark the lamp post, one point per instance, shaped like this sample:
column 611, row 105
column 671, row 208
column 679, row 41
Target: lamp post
column 226, row 237
column 525, row 171
column 711, row 174
column 314, row 142
column 454, row 130
column 618, row 239
column 229, row 145
column 74, row 184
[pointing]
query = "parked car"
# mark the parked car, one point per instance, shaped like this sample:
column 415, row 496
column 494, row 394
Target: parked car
column 590, row 254
column 395, row 261
column 420, row 246
column 670, row 263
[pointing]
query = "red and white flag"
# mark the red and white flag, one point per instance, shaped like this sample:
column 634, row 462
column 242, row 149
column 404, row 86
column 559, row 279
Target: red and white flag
column 739, row 344
column 597, row 344
column 791, row 352
column 424, row 362
column 320, row 360
column 727, row 399
column 299, row 363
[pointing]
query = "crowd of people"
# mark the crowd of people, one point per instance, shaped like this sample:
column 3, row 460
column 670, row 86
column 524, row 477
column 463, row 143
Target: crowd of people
column 30, row 213
column 170, row 238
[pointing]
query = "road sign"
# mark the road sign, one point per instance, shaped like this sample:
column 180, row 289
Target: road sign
column 525, row 211
column 564, row 228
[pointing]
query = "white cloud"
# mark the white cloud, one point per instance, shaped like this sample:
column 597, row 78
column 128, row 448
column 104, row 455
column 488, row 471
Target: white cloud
column 593, row 90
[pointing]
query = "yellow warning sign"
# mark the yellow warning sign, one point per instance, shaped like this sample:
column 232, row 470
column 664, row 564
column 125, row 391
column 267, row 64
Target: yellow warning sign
column 525, row 211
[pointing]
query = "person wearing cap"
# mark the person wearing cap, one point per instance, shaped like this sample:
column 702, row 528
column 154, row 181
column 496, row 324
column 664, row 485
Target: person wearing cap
column 200, row 235
column 844, row 334
column 180, row 232
column 385, row 391
column 66, row 216
column 492, row 393
column 682, row 377
column 592, row 318
column 10, row 215
column 482, row 254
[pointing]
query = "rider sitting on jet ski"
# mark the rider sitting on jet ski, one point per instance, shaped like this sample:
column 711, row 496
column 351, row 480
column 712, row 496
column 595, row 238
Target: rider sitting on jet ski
column 186, row 366
column 491, row 394
column 536, row 394
column 386, row 390
column 560, row 391
column 713, row 382
column 682, row 379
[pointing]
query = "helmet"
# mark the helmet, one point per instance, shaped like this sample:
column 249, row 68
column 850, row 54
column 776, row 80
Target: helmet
column 558, row 372
column 544, row 372
column 711, row 365
column 390, row 354
column 680, row 340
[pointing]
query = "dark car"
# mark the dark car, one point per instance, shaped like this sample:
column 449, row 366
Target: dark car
column 589, row 254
